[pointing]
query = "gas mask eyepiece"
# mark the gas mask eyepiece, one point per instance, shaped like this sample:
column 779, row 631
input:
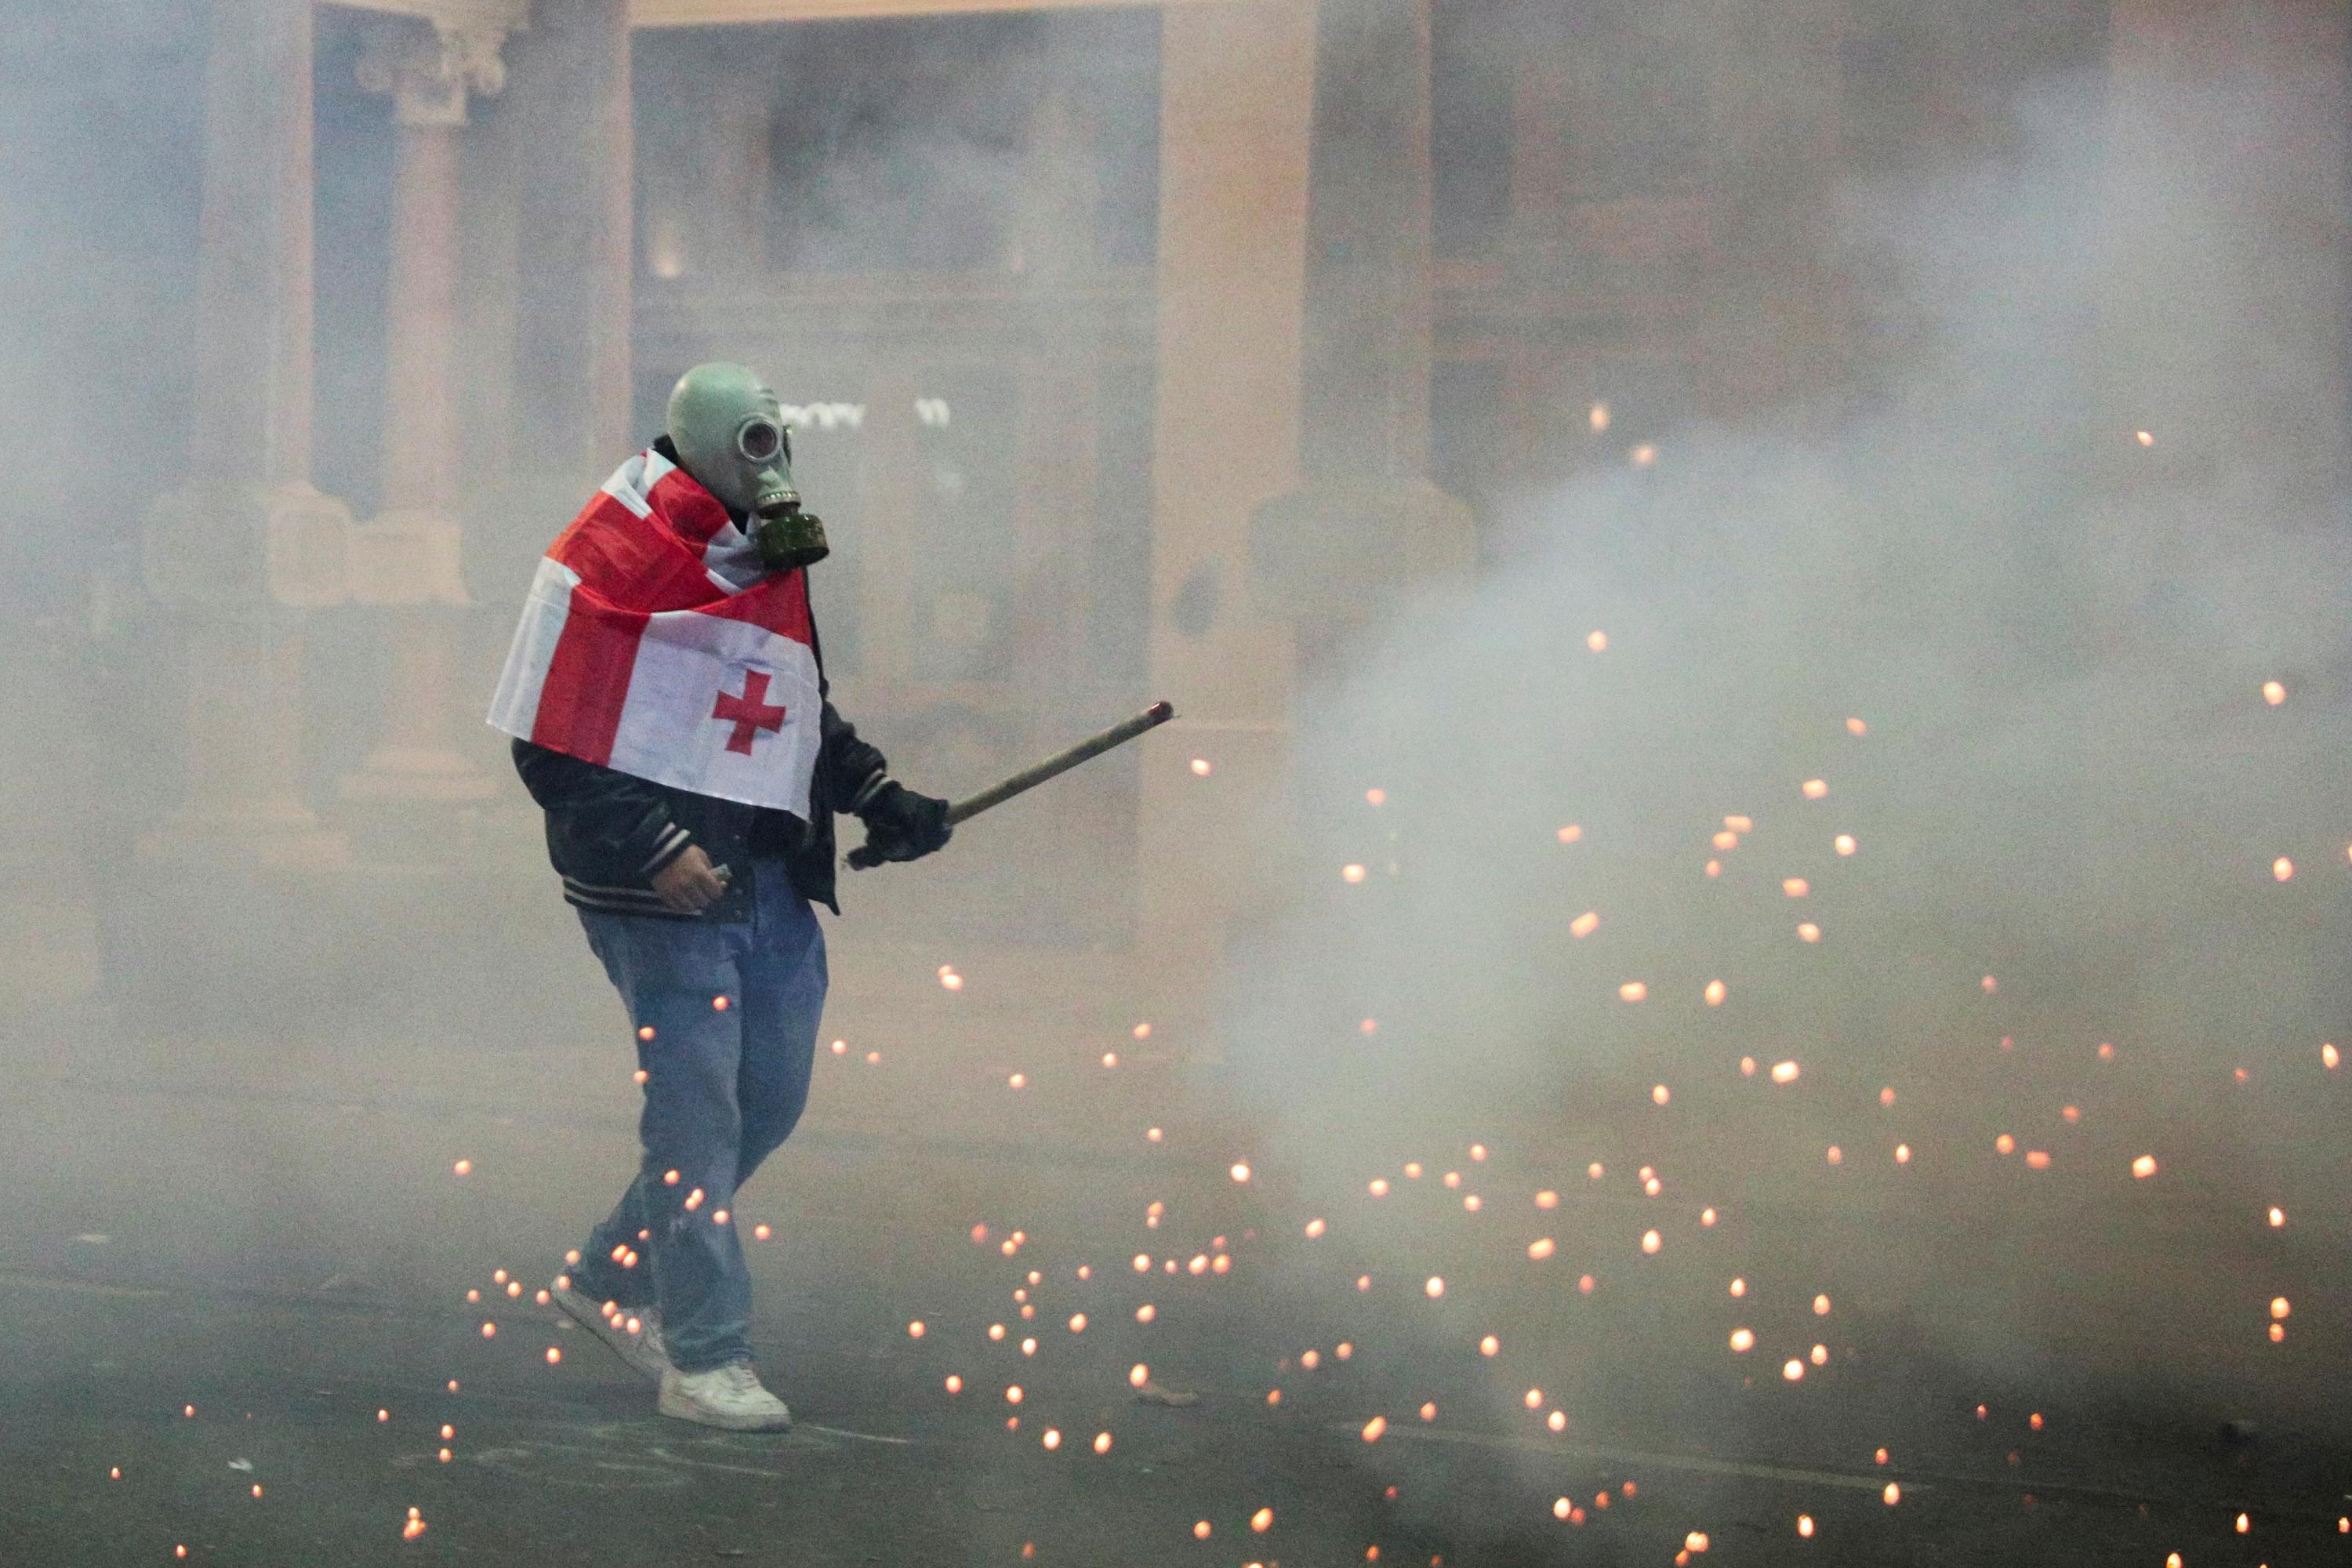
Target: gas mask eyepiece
column 760, row 439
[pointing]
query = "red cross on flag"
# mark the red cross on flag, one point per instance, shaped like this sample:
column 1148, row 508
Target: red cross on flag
column 654, row 643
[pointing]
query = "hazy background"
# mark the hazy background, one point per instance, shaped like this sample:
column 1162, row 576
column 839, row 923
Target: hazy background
column 1924, row 504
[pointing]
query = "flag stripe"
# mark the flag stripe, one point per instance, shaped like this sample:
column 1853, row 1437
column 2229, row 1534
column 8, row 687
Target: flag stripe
column 588, row 680
column 543, row 613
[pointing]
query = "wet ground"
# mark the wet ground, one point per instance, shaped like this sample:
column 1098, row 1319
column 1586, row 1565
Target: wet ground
column 236, row 1270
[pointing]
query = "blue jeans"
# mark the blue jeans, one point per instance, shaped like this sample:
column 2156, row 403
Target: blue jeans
column 723, row 1088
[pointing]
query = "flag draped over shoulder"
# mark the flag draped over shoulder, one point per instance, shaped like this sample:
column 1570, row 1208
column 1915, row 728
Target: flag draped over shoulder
column 654, row 643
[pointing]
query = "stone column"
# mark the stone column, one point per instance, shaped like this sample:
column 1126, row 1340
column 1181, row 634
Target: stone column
column 1773, row 331
column 567, row 126
column 408, row 556
column 1053, row 241
column 1236, row 90
column 2224, row 289
column 247, row 544
column 1366, row 521
column 1535, row 237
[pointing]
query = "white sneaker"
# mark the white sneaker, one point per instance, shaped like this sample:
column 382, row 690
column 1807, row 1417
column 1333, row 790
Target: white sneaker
column 642, row 1349
column 728, row 1396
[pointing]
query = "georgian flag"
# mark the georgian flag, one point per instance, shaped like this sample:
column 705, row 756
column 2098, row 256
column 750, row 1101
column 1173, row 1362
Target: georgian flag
column 654, row 642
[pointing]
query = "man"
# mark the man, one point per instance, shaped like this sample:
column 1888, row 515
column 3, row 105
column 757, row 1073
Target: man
column 667, row 701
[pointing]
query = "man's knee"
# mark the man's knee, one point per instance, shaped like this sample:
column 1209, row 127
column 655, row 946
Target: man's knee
column 770, row 1123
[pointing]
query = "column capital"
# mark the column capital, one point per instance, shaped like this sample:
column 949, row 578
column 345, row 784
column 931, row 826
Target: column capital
column 430, row 68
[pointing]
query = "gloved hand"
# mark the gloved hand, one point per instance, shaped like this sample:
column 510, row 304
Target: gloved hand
column 901, row 825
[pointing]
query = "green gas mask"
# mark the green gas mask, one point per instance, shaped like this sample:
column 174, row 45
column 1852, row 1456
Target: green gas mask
column 729, row 431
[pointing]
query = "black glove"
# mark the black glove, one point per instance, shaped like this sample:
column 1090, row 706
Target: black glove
column 901, row 825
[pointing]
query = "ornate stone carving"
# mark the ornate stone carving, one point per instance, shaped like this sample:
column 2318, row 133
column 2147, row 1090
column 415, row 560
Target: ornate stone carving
column 430, row 68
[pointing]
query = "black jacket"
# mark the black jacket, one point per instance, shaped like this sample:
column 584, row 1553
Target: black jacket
column 608, row 832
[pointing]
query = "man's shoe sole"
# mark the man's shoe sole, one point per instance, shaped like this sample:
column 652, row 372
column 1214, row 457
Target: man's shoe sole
column 620, row 1341
column 686, row 1410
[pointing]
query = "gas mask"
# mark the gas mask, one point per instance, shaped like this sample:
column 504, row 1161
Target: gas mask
column 730, row 435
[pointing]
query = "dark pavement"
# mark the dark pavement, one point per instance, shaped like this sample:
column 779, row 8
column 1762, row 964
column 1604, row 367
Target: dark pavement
column 271, row 1231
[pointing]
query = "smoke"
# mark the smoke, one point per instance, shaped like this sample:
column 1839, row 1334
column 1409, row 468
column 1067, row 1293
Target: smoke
column 2022, row 647
column 1887, row 468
